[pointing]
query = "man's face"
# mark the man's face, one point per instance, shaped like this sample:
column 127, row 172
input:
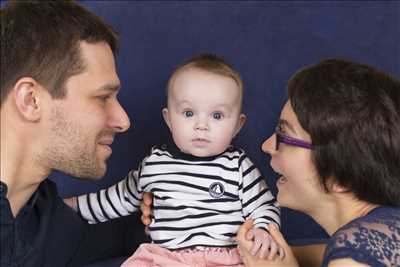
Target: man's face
column 81, row 127
column 203, row 112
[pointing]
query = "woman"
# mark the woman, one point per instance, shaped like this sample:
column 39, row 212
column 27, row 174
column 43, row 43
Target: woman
column 337, row 149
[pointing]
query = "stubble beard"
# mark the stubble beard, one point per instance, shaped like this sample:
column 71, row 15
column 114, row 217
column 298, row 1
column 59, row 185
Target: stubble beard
column 71, row 149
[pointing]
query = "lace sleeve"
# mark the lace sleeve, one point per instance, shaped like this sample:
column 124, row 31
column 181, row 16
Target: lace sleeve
column 372, row 241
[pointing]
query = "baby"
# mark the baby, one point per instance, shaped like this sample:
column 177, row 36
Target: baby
column 203, row 187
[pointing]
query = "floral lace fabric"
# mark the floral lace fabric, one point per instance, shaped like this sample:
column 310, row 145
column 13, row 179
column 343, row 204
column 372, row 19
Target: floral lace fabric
column 373, row 239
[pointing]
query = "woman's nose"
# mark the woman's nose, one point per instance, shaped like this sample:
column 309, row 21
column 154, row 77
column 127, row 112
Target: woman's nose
column 269, row 145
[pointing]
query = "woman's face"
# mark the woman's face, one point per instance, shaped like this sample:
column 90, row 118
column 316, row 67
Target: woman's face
column 299, row 187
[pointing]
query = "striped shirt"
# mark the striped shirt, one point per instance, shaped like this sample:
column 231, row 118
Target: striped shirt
column 196, row 201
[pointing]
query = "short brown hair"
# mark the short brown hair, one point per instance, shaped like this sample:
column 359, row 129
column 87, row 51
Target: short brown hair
column 211, row 63
column 40, row 39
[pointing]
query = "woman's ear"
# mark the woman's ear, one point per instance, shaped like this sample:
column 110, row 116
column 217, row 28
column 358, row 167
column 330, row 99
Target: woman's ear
column 240, row 123
column 335, row 187
column 27, row 98
column 338, row 188
column 166, row 117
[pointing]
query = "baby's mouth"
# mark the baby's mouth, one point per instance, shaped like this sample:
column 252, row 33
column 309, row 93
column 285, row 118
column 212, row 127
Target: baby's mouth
column 200, row 140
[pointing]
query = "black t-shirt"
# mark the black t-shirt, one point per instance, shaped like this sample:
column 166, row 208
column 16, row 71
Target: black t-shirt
column 46, row 232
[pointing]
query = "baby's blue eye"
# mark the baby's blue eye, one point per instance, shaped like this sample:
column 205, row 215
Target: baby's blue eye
column 188, row 113
column 217, row 115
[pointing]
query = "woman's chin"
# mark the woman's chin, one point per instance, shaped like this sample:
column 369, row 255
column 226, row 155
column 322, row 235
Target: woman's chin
column 282, row 201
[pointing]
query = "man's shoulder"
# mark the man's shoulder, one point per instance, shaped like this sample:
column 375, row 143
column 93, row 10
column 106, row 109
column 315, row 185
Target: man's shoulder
column 53, row 212
column 48, row 187
column 47, row 194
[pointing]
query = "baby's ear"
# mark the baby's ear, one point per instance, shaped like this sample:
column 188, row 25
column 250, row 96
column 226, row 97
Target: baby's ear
column 166, row 117
column 240, row 123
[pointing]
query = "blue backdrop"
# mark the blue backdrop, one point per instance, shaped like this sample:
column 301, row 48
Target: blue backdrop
column 266, row 41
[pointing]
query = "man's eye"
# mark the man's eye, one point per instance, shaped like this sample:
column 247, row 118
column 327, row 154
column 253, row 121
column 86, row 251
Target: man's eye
column 217, row 115
column 188, row 113
column 104, row 97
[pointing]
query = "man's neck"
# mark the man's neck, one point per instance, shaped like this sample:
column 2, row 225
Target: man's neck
column 19, row 196
column 20, row 168
column 20, row 185
column 20, row 172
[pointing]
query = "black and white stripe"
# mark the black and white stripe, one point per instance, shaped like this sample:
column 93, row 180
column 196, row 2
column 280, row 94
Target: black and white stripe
column 185, row 213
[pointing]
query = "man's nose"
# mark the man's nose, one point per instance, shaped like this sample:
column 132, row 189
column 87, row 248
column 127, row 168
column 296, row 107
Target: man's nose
column 118, row 119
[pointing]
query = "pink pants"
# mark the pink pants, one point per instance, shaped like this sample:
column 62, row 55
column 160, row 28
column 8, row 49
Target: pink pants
column 150, row 255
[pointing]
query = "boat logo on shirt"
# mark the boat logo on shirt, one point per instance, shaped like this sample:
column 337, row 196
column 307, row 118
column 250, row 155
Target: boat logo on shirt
column 216, row 189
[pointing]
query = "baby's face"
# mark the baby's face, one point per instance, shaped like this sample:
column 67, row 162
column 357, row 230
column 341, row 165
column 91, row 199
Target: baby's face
column 203, row 112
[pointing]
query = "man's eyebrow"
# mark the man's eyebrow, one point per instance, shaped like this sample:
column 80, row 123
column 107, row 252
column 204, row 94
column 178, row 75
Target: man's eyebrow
column 286, row 124
column 112, row 87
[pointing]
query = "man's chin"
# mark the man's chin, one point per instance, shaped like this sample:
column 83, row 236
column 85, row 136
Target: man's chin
column 100, row 168
column 99, row 176
column 100, row 172
column 95, row 174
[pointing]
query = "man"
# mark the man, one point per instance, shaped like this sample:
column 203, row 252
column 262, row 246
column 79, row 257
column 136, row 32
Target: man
column 59, row 111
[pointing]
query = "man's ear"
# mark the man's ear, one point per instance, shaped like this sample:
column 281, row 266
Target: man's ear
column 27, row 98
column 166, row 117
column 241, row 121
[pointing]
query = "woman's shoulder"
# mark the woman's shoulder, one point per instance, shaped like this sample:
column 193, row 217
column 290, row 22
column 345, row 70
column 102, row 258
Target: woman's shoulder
column 373, row 239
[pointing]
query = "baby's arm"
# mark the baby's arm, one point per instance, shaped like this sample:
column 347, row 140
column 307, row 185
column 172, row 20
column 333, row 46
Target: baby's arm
column 260, row 205
column 118, row 200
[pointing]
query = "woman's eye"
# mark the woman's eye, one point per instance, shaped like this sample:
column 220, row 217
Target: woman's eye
column 217, row 115
column 188, row 113
column 279, row 128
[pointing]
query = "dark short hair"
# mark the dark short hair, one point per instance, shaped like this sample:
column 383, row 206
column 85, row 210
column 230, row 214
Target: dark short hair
column 352, row 113
column 40, row 39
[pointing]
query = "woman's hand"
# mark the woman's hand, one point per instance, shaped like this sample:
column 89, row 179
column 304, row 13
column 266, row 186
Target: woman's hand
column 264, row 245
column 254, row 261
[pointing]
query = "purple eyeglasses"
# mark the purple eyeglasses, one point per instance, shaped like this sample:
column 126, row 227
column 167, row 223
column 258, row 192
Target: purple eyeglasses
column 283, row 138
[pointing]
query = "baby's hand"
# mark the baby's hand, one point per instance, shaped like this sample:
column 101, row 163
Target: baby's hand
column 264, row 245
column 72, row 202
